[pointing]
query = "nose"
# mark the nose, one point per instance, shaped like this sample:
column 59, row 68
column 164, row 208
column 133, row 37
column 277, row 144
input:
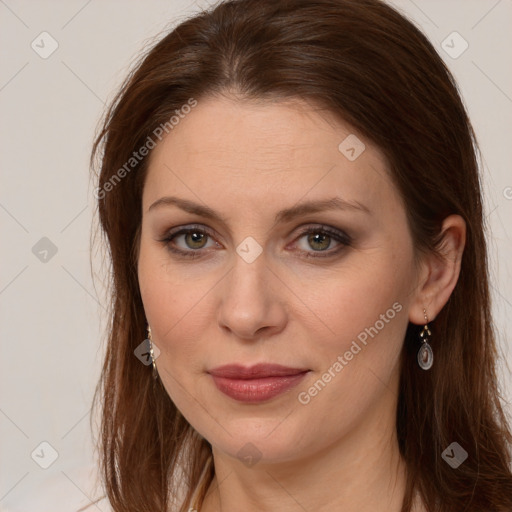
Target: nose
column 251, row 302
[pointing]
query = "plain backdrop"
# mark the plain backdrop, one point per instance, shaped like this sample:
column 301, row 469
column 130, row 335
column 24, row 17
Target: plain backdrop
column 51, row 314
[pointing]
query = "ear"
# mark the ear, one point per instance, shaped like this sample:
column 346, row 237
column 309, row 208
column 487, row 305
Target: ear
column 439, row 272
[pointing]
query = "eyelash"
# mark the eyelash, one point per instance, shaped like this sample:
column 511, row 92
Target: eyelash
column 338, row 236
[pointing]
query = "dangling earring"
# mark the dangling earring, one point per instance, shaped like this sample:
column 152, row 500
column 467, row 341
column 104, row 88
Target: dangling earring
column 151, row 353
column 425, row 354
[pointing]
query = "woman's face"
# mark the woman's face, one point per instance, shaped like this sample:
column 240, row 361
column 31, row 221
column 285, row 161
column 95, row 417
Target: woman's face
column 247, row 285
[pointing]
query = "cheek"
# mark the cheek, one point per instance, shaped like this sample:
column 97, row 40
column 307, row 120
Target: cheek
column 168, row 294
column 356, row 297
column 177, row 308
column 365, row 348
column 357, row 366
column 365, row 310
column 172, row 304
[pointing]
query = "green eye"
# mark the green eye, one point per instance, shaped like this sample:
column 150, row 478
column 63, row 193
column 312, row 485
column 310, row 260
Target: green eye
column 319, row 240
column 195, row 239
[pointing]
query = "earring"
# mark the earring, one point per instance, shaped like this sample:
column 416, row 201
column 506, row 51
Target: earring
column 151, row 353
column 425, row 354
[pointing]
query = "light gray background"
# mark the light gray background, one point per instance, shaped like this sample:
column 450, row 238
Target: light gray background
column 50, row 311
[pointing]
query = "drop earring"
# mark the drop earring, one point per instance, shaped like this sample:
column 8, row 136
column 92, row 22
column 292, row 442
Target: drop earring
column 425, row 354
column 151, row 353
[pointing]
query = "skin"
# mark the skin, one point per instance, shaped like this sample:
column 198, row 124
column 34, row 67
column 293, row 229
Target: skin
column 246, row 161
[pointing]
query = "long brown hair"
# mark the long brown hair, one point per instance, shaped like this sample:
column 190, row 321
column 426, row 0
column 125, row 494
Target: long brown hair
column 369, row 65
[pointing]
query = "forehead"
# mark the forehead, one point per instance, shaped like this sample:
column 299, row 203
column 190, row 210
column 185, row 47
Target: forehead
column 265, row 152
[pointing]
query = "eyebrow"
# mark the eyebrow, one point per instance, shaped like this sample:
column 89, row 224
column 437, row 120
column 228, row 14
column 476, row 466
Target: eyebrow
column 285, row 215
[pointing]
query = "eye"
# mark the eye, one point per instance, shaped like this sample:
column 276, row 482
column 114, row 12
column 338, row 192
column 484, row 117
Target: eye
column 321, row 238
column 193, row 238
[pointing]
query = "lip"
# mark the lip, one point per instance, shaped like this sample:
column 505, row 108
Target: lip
column 256, row 383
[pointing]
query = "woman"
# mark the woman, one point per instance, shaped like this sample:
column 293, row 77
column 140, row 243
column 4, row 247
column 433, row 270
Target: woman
column 300, row 304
